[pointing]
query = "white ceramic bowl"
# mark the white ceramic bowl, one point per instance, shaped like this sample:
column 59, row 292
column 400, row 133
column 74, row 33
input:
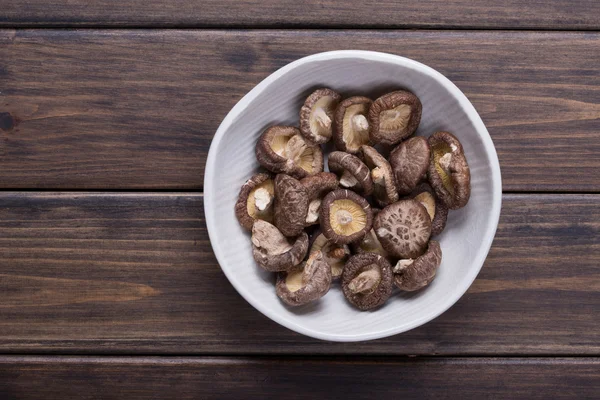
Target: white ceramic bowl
column 277, row 100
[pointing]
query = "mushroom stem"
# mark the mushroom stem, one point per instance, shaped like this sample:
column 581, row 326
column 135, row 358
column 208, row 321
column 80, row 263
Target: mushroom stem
column 262, row 199
column 337, row 252
column 378, row 175
column 295, row 147
column 344, row 217
column 322, row 118
column 348, row 180
column 402, row 265
column 313, row 211
column 445, row 161
column 360, row 123
column 365, row 282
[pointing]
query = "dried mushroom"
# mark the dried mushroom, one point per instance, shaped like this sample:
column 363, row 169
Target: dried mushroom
column 394, row 116
column 367, row 281
column 275, row 252
column 255, row 201
column 334, row 254
column 437, row 211
column 384, row 185
column 353, row 173
column 449, row 172
column 282, row 149
column 345, row 217
column 410, row 161
column 370, row 243
column 415, row 274
column 316, row 115
column 318, row 186
column 291, row 205
column 403, row 228
column 305, row 283
column 351, row 124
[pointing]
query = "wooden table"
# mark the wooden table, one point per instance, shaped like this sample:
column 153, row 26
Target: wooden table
column 108, row 285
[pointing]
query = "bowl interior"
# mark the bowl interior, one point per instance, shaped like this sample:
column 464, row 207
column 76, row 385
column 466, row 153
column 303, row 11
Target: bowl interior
column 469, row 231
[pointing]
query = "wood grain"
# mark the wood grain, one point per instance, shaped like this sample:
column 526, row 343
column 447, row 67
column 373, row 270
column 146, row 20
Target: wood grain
column 134, row 273
column 135, row 109
column 512, row 14
column 235, row 378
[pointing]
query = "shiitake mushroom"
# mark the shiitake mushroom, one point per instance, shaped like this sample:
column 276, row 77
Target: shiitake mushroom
column 255, row 200
column 334, row 254
column 306, row 282
column 291, row 205
column 414, row 274
column 410, row 161
column 273, row 251
column 438, row 212
column 384, row 185
column 352, row 124
column 317, row 186
column 367, row 281
column 345, row 216
column 394, row 116
column 352, row 172
column 316, row 115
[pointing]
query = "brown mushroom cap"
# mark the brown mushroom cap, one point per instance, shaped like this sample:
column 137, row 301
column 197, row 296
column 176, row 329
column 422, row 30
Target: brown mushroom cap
column 305, row 283
column 345, row 216
column 410, row 161
column 415, row 274
column 334, row 254
column 316, row 115
column 274, row 252
column 353, row 173
column 367, row 281
column 291, row 205
column 403, row 228
column 449, row 172
column 282, row 149
column 352, row 124
column 255, row 200
column 384, row 185
column 435, row 208
column 394, row 116
column 318, row 186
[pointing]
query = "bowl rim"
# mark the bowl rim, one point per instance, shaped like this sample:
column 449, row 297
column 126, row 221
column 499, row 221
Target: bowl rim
column 471, row 113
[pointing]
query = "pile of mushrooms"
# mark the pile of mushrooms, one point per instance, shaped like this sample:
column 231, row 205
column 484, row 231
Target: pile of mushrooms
column 314, row 228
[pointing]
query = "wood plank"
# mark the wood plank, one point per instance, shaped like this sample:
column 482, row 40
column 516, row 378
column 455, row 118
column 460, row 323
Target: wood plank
column 134, row 273
column 235, row 378
column 510, row 14
column 138, row 109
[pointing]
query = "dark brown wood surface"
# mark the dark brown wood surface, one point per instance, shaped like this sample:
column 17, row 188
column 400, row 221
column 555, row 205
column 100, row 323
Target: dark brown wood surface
column 134, row 273
column 511, row 14
column 274, row 378
column 131, row 109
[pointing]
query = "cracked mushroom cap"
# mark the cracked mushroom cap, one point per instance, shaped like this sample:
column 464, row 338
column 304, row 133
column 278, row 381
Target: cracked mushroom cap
column 403, row 228
column 352, row 124
column 410, row 161
column 367, row 281
column 449, row 173
column 274, row 252
column 306, row 282
column 318, row 186
column 345, row 217
column 316, row 115
column 370, row 243
column 334, row 254
column 394, row 116
column 255, row 201
column 353, row 173
column 384, row 185
column 411, row 275
column 291, row 205
column 437, row 211
column 282, row 149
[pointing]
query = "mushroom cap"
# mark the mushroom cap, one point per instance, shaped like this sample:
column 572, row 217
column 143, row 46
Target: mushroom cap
column 394, row 116
column 403, row 228
column 306, row 282
column 320, row 184
column 242, row 211
column 322, row 101
column 422, row 270
column 378, row 295
column 438, row 223
column 346, row 165
column 274, row 252
column 347, row 136
column 334, row 254
column 410, row 161
column 350, row 204
column 282, row 149
column 452, row 185
column 384, row 185
column 291, row 205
